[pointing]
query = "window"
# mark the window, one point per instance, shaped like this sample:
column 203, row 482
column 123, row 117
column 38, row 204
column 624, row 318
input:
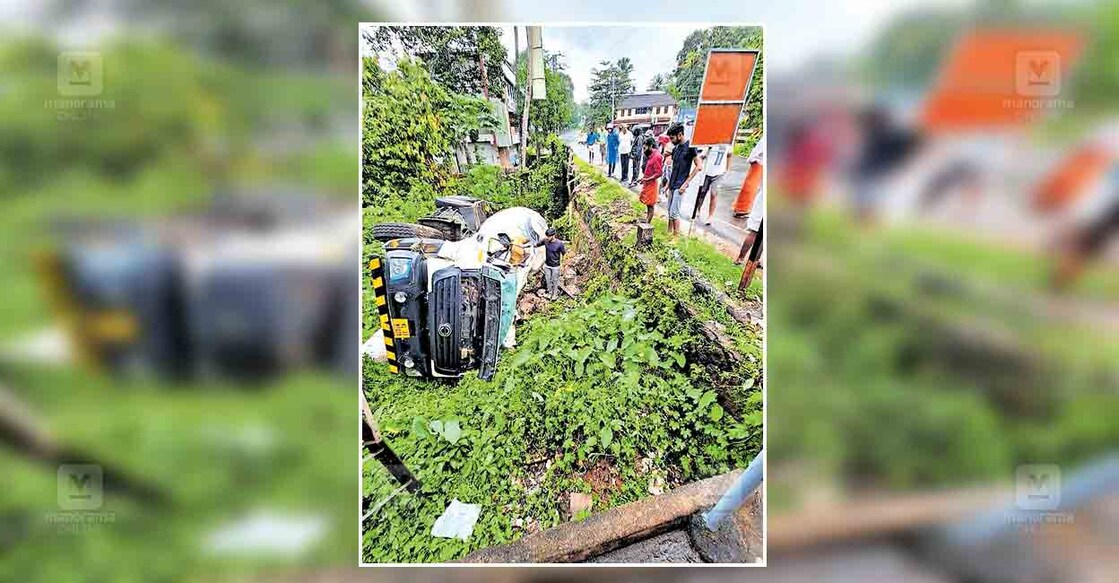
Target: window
column 642, row 110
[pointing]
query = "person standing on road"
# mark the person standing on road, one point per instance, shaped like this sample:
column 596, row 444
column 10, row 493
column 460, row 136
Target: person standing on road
column 612, row 142
column 636, row 156
column 752, row 244
column 665, row 147
column 652, row 175
column 686, row 163
column 715, row 164
column 592, row 140
column 755, row 173
column 553, row 253
column 625, row 146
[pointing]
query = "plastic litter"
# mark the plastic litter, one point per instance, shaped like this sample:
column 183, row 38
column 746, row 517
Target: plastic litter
column 375, row 347
column 457, row 521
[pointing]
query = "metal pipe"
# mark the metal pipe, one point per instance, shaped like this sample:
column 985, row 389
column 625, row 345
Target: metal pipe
column 736, row 495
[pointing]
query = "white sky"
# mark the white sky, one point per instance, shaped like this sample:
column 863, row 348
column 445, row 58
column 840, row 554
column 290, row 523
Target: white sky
column 652, row 49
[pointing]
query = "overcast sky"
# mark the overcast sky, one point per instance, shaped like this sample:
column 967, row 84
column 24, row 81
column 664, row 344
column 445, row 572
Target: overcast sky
column 651, row 48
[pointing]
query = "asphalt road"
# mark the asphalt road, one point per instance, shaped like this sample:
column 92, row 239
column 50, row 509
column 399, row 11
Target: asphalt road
column 725, row 231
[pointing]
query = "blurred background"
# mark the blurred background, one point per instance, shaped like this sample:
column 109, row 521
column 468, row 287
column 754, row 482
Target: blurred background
column 943, row 286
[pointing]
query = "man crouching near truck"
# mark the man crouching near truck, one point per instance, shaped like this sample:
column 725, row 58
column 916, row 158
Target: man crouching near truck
column 553, row 253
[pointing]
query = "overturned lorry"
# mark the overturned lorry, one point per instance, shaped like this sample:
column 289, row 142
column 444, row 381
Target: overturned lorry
column 447, row 302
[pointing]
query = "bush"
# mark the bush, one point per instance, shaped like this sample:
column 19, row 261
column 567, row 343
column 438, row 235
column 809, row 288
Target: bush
column 411, row 127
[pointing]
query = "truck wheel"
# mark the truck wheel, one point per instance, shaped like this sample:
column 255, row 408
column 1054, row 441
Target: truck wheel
column 390, row 231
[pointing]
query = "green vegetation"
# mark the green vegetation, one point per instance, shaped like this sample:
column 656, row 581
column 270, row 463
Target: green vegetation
column 453, row 55
column 556, row 112
column 595, row 399
column 915, row 369
column 411, row 128
column 603, row 395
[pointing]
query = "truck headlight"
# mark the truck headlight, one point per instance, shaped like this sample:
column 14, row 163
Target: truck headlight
column 400, row 297
column 408, row 362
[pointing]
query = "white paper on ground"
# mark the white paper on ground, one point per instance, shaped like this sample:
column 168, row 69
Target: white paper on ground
column 457, row 521
column 375, row 347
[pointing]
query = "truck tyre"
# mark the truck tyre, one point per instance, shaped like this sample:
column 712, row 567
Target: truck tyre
column 389, row 231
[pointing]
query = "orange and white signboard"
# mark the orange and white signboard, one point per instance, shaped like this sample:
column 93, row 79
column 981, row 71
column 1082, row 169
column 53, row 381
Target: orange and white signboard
column 726, row 83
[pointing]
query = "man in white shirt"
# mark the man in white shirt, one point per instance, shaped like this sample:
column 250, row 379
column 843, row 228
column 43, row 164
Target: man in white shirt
column 625, row 146
column 716, row 162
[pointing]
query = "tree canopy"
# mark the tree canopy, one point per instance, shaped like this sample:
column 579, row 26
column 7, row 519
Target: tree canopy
column 557, row 111
column 453, row 54
column 609, row 82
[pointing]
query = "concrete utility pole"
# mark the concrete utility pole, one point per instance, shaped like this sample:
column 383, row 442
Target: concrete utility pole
column 535, row 45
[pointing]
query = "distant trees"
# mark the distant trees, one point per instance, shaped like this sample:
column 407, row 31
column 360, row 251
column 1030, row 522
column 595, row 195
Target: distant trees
column 659, row 82
column 609, row 82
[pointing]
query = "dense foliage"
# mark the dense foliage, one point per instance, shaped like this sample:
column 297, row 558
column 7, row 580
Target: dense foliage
column 595, row 399
column 453, row 54
column 411, row 128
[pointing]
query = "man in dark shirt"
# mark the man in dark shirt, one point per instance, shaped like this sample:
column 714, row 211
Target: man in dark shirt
column 553, row 252
column 686, row 163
